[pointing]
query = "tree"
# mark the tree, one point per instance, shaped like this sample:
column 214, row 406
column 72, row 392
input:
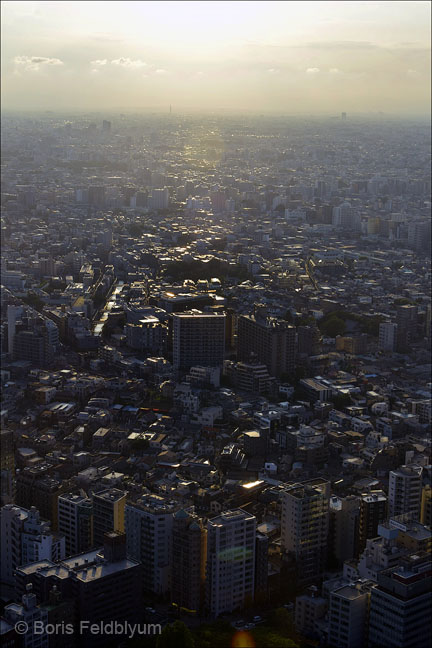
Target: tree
column 341, row 401
column 333, row 326
column 175, row 635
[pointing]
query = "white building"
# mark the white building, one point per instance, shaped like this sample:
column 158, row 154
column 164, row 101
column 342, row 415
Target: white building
column 26, row 538
column 387, row 336
column 405, row 485
column 230, row 576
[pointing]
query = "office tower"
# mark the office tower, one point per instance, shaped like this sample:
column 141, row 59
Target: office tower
column 75, row 522
column 96, row 196
column 400, row 606
column 373, row 511
column 405, row 485
column 148, row 524
column 106, row 126
column 7, row 466
column 47, row 267
column 270, row 339
column 261, row 564
column 343, row 116
column 344, row 522
column 304, row 526
column 198, row 339
column 103, row 585
column 406, row 320
column 28, row 614
column 419, row 236
column 105, row 239
column 387, row 336
column 159, row 199
column 429, row 321
column 34, row 487
column 189, row 538
column 26, row 538
column 348, row 615
column 108, row 513
column 426, row 506
column 230, row 575
column 13, row 312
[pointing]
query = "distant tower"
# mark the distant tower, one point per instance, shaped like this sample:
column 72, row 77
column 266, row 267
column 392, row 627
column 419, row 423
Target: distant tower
column 170, row 109
column 343, row 116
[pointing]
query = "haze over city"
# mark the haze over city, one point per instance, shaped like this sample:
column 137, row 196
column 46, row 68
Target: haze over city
column 215, row 325
column 276, row 57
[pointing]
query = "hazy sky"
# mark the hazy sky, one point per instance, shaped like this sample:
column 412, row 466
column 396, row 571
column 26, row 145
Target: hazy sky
column 285, row 57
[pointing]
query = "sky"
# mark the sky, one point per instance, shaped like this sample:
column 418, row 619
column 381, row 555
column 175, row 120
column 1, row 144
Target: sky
column 275, row 57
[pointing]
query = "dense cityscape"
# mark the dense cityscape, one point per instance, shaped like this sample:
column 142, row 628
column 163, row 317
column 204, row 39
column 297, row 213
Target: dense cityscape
column 216, row 380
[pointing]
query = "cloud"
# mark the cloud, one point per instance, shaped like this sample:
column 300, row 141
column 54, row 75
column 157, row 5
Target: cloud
column 161, row 72
column 34, row 62
column 313, row 71
column 129, row 63
column 335, row 71
column 98, row 62
column 413, row 74
column 340, row 45
column 272, row 71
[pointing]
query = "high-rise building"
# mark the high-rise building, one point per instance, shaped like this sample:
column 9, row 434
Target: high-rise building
column 230, row 576
column 148, row 524
column 198, row 339
column 304, row 526
column 75, row 521
column 406, row 320
column 108, row 513
column 7, row 466
column 159, row 198
column 26, row 538
column 96, row 196
column 348, row 615
column 400, row 606
column 405, row 486
column 13, row 312
column 270, row 339
column 189, row 538
column 344, row 521
column 373, row 511
column 426, row 506
column 34, row 487
column 261, row 564
column 387, row 336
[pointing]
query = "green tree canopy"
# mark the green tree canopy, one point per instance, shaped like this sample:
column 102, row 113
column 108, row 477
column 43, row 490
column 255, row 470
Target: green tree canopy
column 175, row 635
column 333, row 326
